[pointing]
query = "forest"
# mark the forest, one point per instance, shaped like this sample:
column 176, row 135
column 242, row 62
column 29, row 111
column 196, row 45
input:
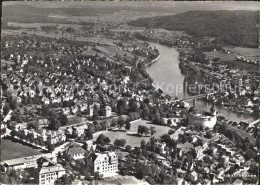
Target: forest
column 237, row 28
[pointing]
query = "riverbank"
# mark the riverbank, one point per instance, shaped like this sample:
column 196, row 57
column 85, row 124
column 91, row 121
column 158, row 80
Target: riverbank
column 154, row 60
column 231, row 101
column 166, row 75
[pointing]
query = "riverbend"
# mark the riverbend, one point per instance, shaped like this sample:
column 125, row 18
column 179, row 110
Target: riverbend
column 167, row 76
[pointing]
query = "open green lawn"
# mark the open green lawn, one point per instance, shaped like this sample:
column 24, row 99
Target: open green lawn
column 220, row 54
column 131, row 139
column 248, row 52
column 12, row 150
column 113, row 50
column 252, row 53
column 75, row 119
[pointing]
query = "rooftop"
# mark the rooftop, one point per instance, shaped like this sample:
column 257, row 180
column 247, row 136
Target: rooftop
column 26, row 159
column 74, row 148
column 50, row 169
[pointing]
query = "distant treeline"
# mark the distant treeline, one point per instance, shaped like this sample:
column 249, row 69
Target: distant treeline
column 47, row 28
column 238, row 28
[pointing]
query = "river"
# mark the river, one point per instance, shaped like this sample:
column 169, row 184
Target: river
column 167, row 75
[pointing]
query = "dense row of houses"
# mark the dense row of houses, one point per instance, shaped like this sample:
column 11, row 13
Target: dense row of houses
column 206, row 166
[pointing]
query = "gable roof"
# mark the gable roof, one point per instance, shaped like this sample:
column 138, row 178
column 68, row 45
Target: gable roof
column 194, row 173
column 197, row 148
column 186, row 145
column 74, row 148
column 22, row 160
column 51, row 169
column 45, row 161
column 105, row 156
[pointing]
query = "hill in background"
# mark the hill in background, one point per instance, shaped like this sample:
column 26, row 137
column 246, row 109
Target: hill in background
column 238, row 28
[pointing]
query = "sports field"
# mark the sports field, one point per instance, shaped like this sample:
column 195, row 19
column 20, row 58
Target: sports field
column 12, row 150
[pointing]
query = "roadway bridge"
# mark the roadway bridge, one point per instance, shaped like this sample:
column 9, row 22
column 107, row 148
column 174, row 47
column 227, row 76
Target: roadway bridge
column 253, row 123
column 195, row 97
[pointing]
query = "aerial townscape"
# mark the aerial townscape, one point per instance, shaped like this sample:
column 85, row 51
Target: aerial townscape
column 130, row 93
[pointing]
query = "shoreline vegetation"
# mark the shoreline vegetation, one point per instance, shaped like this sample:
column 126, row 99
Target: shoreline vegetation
column 94, row 95
column 200, row 69
column 190, row 78
column 153, row 61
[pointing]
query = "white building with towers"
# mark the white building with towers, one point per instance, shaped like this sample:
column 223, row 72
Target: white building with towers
column 203, row 118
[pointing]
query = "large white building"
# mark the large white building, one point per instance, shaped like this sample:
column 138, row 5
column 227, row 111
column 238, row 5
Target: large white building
column 203, row 118
column 49, row 174
column 44, row 165
column 106, row 163
column 49, row 171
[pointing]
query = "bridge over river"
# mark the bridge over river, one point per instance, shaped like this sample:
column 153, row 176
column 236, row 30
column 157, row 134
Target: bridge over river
column 194, row 98
column 166, row 73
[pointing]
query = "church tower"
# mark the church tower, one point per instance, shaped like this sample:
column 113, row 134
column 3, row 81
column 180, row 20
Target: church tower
column 213, row 110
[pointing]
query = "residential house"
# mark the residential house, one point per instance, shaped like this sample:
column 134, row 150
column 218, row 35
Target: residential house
column 126, row 79
column 66, row 110
column 230, row 152
column 240, row 159
column 199, row 151
column 214, row 149
column 176, row 134
column 213, row 178
column 75, row 151
column 80, row 128
column 54, row 136
column 90, row 110
column 220, row 173
column 184, row 104
column 248, row 103
column 184, row 148
column 43, row 122
column 206, row 169
column 8, row 116
column 174, row 120
column 108, row 111
column 194, row 176
column 162, row 146
column 89, row 144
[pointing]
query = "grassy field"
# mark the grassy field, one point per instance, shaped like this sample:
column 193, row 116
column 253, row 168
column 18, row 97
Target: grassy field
column 131, row 139
column 252, row 53
column 247, row 52
column 113, row 50
column 12, row 150
column 220, row 54
column 76, row 119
